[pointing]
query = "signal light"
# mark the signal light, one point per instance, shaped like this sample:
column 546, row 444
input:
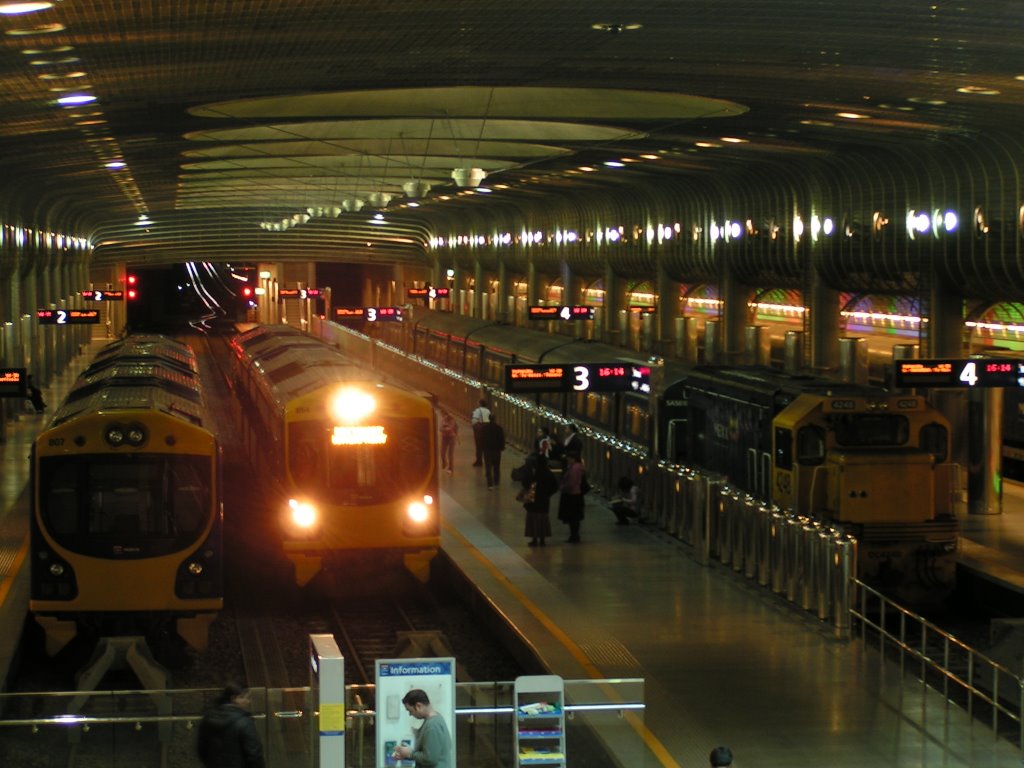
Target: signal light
column 247, row 292
column 132, row 292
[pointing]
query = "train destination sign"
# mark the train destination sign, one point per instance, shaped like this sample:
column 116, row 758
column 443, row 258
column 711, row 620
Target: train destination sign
column 103, row 295
column 582, row 377
column 13, row 382
column 67, row 316
column 537, row 312
column 970, row 372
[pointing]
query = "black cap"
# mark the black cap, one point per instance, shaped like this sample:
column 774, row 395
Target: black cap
column 721, row 756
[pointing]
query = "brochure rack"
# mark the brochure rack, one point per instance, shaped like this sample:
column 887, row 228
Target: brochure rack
column 540, row 720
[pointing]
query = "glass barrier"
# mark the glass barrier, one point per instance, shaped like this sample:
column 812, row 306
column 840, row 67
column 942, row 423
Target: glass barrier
column 118, row 729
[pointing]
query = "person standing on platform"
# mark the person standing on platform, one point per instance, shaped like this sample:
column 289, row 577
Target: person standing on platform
column 227, row 733
column 449, row 437
column 542, row 443
column 570, row 500
column 721, row 757
column 571, row 443
column 536, row 497
column 481, row 415
column 432, row 747
column 492, row 443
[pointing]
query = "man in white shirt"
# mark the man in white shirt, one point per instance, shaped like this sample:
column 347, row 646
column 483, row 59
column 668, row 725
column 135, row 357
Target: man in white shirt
column 481, row 415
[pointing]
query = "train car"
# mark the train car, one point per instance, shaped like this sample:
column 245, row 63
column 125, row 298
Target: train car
column 874, row 462
column 353, row 460
column 126, row 531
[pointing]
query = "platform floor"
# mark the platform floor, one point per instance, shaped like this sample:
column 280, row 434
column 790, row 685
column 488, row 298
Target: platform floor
column 725, row 661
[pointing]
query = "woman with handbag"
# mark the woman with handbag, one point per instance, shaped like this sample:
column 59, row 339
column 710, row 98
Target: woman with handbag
column 536, row 497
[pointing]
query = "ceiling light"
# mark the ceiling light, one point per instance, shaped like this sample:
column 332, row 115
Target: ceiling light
column 852, row 115
column 468, row 177
column 733, row 140
column 116, row 164
column 978, row 90
column 650, row 157
column 76, row 98
column 42, row 29
column 10, row 9
column 616, row 28
column 42, row 51
column 613, row 163
column 587, row 169
column 706, row 145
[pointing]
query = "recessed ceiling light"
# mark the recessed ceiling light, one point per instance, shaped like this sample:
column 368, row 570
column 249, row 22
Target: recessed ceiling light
column 587, row 169
column 852, row 115
column 616, row 28
column 42, row 29
column 613, row 163
column 929, row 102
column 706, row 144
column 733, row 140
column 651, row 157
column 10, row 9
column 47, row 51
column 76, row 98
column 978, row 90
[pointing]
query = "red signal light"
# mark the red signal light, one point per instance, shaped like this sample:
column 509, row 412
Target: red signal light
column 247, row 292
column 132, row 292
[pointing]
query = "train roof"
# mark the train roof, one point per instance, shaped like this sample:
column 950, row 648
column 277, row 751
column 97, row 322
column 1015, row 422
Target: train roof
column 148, row 347
column 721, row 379
column 293, row 367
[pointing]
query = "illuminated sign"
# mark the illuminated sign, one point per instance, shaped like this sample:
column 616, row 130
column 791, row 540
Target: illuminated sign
column 428, row 293
column 972, row 372
column 380, row 314
column 584, row 377
column 536, row 312
column 636, row 310
column 358, row 313
column 100, row 295
column 67, row 316
column 13, row 382
column 299, row 293
column 359, row 436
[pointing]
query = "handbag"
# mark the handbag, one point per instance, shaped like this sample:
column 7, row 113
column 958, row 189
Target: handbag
column 527, row 495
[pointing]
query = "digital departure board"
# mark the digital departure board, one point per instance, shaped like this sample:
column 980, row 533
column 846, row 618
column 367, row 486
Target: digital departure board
column 537, row 312
column 299, row 293
column 370, row 314
column 102, row 295
column 970, row 372
column 67, row 316
column 581, row 377
column 13, row 382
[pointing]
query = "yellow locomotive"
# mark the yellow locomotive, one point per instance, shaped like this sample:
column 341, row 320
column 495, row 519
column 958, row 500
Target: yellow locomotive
column 126, row 531
column 353, row 460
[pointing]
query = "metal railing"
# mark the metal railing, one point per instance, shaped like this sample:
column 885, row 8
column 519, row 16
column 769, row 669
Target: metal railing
column 986, row 689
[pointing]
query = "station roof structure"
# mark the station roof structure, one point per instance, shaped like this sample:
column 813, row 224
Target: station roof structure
column 166, row 130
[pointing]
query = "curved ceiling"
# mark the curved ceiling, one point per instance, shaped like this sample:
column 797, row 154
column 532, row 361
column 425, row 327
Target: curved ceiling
column 217, row 120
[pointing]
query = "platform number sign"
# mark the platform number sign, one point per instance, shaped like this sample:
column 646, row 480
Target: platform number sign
column 581, row 377
column 971, row 373
column 67, row 316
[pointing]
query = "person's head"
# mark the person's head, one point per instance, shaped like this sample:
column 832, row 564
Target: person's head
column 573, row 429
column 573, row 456
column 543, row 431
column 234, row 694
column 721, row 757
column 625, row 484
column 483, row 403
column 417, row 703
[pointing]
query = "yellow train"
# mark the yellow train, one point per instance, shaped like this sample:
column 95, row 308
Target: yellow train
column 353, row 460
column 126, row 532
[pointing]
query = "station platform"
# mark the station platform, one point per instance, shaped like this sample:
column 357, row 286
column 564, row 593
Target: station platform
column 992, row 546
column 725, row 661
column 15, row 502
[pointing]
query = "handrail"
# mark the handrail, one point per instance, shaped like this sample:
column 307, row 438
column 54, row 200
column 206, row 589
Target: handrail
column 980, row 669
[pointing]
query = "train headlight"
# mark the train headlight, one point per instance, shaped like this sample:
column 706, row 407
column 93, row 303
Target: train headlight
column 351, row 405
column 57, row 569
column 196, row 569
column 419, row 511
column 303, row 514
column 135, row 435
column 115, row 435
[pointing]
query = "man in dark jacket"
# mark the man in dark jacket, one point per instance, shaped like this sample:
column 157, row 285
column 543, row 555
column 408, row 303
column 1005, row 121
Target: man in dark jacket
column 492, row 440
column 227, row 734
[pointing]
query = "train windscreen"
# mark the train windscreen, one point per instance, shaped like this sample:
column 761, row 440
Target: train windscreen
column 130, row 506
column 873, row 430
column 361, row 465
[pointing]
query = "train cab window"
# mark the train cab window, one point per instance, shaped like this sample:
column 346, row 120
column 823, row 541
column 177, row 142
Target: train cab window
column 868, row 430
column 935, row 440
column 810, row 445
column 783, row 448
column 62, row 505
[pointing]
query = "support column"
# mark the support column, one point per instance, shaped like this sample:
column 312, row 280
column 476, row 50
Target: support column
column 822, row 304
column 735, row 316
column 668, row 307
column 479, row 296
column 504, row 298
column 532, row 284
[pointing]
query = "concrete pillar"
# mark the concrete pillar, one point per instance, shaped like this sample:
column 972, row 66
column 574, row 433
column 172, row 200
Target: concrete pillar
column 669, row 308
column 734, row 318
column 532, row 285
column 823, row 304
column 502, row 303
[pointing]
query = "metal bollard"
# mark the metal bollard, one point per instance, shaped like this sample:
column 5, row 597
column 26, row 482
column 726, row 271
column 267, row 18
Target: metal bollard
column 738, row 526
column 764, row 539
column 844, row 569
column 723, row 538
column 750, row 522
column 791, row 555
column 778, row 522
column 823, row 560
column 809, row 582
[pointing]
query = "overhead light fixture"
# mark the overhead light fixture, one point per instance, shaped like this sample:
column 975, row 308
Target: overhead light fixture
column 42, row 29
column 468, row 177
column 415, row 188
column 75, row 99
column 616, row 28
column 12, row 9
